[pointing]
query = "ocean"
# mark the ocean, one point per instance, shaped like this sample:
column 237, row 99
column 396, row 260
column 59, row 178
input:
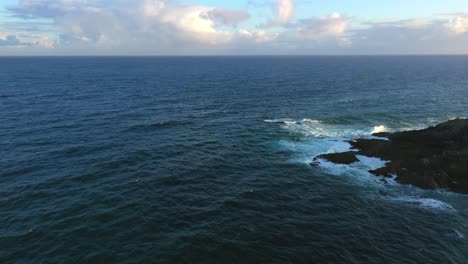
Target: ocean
column 206, row 160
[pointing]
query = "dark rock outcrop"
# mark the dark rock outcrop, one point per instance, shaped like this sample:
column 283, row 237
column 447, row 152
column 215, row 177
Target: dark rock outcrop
column 432, row 158
column 340, row 158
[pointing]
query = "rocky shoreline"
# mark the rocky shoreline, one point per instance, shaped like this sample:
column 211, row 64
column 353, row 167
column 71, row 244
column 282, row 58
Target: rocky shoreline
column 431, row 158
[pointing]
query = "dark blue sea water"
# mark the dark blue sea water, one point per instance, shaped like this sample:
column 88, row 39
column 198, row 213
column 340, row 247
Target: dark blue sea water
column 205, row 160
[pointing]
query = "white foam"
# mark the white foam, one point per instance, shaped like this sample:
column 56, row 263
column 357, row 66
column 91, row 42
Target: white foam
column 324, row 138
column 313, row 127
column 280, row 121
column 379, row 129
column 355, row 174
column 311, row 121
column 345, row 100
column 371, row 163
column 308, row 149
column 321, row 131
column 316, row 138
column 458, row 234
column 425, row 203
column 289, row 123
column 336, row 169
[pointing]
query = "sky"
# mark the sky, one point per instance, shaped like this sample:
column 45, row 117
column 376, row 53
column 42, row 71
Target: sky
column 232, row 27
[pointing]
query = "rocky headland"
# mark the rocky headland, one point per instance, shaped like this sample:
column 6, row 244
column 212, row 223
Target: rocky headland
column 431, row 158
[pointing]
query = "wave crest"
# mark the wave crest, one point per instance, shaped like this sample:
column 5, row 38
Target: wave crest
column 379, row 129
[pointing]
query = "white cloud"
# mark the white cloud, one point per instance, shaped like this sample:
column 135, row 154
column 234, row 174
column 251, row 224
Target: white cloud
column 82, row 21
column 416, row 23
column 345, row 42
column 258, row 35
column 189, row 22
column 10, row 40
column 174, row 27
column 324, row 30
column 44, row 42
column 458, row 25
column 285, row 10
column 334, row 24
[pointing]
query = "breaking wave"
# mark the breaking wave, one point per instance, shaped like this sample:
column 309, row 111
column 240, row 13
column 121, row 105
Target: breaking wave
column 315, row 137
column 379, row 129
column 423, row 202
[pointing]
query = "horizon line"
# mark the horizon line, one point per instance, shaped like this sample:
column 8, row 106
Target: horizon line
column 230, row 55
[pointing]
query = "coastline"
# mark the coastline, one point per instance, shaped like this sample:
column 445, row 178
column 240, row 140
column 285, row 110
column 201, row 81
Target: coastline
column 431, row 158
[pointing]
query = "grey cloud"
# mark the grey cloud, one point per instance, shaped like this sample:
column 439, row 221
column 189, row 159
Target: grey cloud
column 332, row 25
column 152, row 23
column 48, row 8
column 10, row 40
column 168, row 27
column 27, row 26
column 408, row 37
column 226, row 17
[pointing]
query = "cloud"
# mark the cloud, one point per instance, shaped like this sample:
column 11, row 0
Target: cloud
column 411, row 36
column 49, row 8
column 285, row 11
column 334, row 24
column 458, row 25
column 155, row 22
column 156, row 27
column 186, row 22
column 258, row 35
column 44, row 42
column 9, row 40
column 345, row 42
column 226, row 17
column 323, row 29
